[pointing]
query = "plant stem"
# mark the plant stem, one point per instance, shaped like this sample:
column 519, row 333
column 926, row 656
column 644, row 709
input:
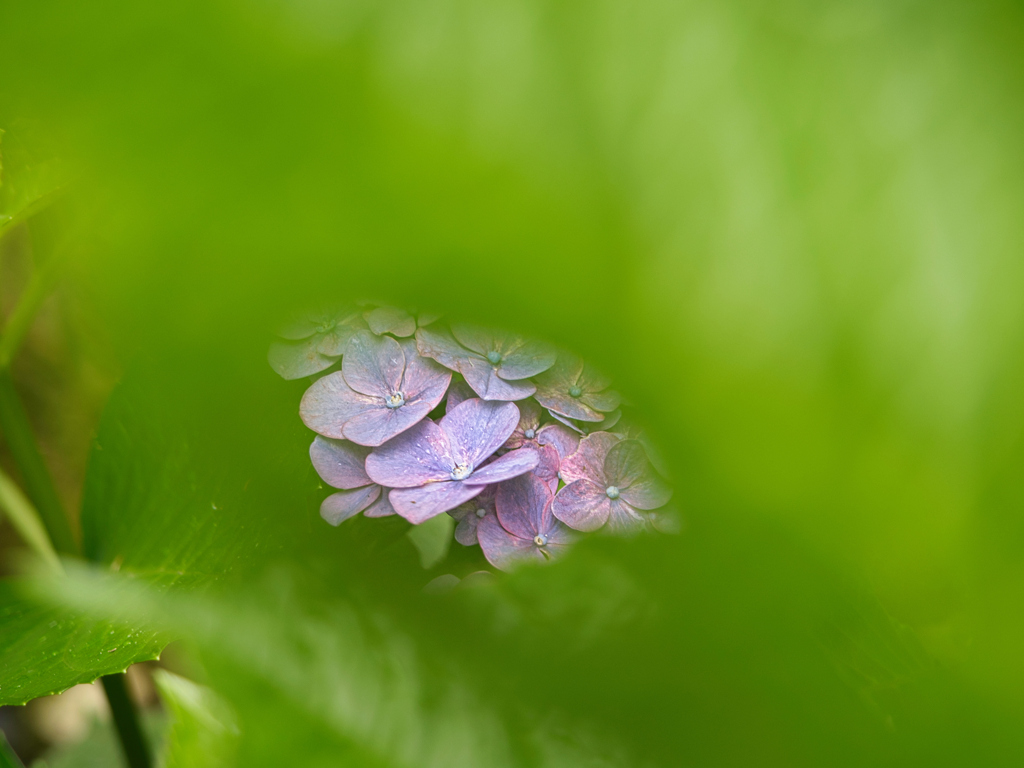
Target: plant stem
column 17, row 432
column 133, row 742
column 20, row 320
column 7, row 757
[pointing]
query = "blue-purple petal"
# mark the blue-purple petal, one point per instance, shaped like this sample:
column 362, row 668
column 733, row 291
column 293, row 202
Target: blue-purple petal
column 373, row 365
column 418, row 456
column 476, row 429
column 329, row 403
column 419, row 504
column 341, row 464
column 512, row 464
column 340, row 506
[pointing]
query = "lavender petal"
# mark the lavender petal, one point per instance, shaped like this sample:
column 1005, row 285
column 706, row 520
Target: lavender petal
column 373, row 365
column 425, row 502
column 442, row 347
column 501, row 548
column 562, row 439
column 458, row 392
column 417, row 456
column 485, row 381
column 381, row 507
column 378, row 424
column 582, row 505
column 339, row 463
column 650, row 492
column 512, row 464
column 526, row 358
column 477, row 428
column 424, row 379
column 296, row 360
column 329, row 403
column 340, row 506
column 521, row 504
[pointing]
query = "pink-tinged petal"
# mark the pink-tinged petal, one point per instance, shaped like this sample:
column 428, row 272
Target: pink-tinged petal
column 526, row 358
column 296, row 360
column 381, row 507
column 559, row 536
column 625, row 463
column 563, row 440
column 649, row 492
column 605, row 401
column 588, row 461
column 624, row 520
column 521, row 504
column 419, row 504
column 424, row 379
column 465, row 531
column 582, row 505
column 373, row 365
column 502, row 549
column 476, row 339
column 390, row 320
column 470, row 514
column 329, row 403
column 458, row 392
column 477, row 428
column 512, row 464
column 340, row 506
column 339, row 463
column 442, row 347
column 418, row 456
column 485, row 381
column 529, row 421
column 378, row 424
column 547, row 467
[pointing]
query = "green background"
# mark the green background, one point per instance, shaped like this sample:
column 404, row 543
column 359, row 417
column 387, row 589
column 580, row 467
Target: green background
column 790, row 231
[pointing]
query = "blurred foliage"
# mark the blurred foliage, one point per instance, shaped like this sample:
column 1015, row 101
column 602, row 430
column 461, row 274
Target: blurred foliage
column 790, row 231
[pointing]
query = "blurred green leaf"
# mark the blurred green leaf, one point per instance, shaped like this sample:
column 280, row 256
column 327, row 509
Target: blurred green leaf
column 27, row 184
column 433, row 539
column 202, row 732
column 100, row 748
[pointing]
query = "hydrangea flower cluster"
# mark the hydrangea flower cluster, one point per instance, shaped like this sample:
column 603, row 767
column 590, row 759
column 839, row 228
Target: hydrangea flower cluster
column 510, row 437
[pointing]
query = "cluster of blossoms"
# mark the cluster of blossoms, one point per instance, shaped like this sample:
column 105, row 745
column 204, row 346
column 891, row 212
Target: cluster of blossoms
column 517, row 442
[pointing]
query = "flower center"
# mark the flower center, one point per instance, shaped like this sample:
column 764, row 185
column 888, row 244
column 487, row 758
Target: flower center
column 461, row 471
column 540, row 539
column 529, row 434
column 611, row 492
column 494, row 357
column 394, row 400
column 481, row 513
column 575, row 391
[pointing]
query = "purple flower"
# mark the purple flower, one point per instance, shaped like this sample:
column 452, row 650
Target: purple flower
column 382, row 389
column 494, row 364
column 553, row 442
column 523, row 528
column 458, row 392
column 437, row 467
column 342, row 465
column 589, row 427
column 575, row 390
column 607, row 481
column 470, row 513
column 313, row 343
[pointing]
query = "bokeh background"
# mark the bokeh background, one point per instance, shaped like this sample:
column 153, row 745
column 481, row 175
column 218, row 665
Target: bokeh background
column 792, row 232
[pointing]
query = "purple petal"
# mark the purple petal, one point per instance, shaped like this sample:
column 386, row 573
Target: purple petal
column 563, row 440
column 418, row 456
column 526, row 358
column 476, row 429
column 625, row 463
column 442, row 347
column 512, row 464
column 340, row 464
column 296, row 360
column 479, row 340
column 649, row 492
column 588, row 461
column 582, row 505
column 381, row 507
column 521, row 505
column 373, row 365
column 390, row 320
column 329, row 403
column 336, row 340
column 340, row 506
column 465, row 531
column 424, row 379
column 485, row 381
column 547, row 467
column 624, row 520
column 378, row 423
column 419, row 504
column 501, row 548
column 458, row 392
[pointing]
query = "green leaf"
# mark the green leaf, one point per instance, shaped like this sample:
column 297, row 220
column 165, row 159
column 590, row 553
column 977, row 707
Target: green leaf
column 433, row 539
column 203, row 732
column 28, row 184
